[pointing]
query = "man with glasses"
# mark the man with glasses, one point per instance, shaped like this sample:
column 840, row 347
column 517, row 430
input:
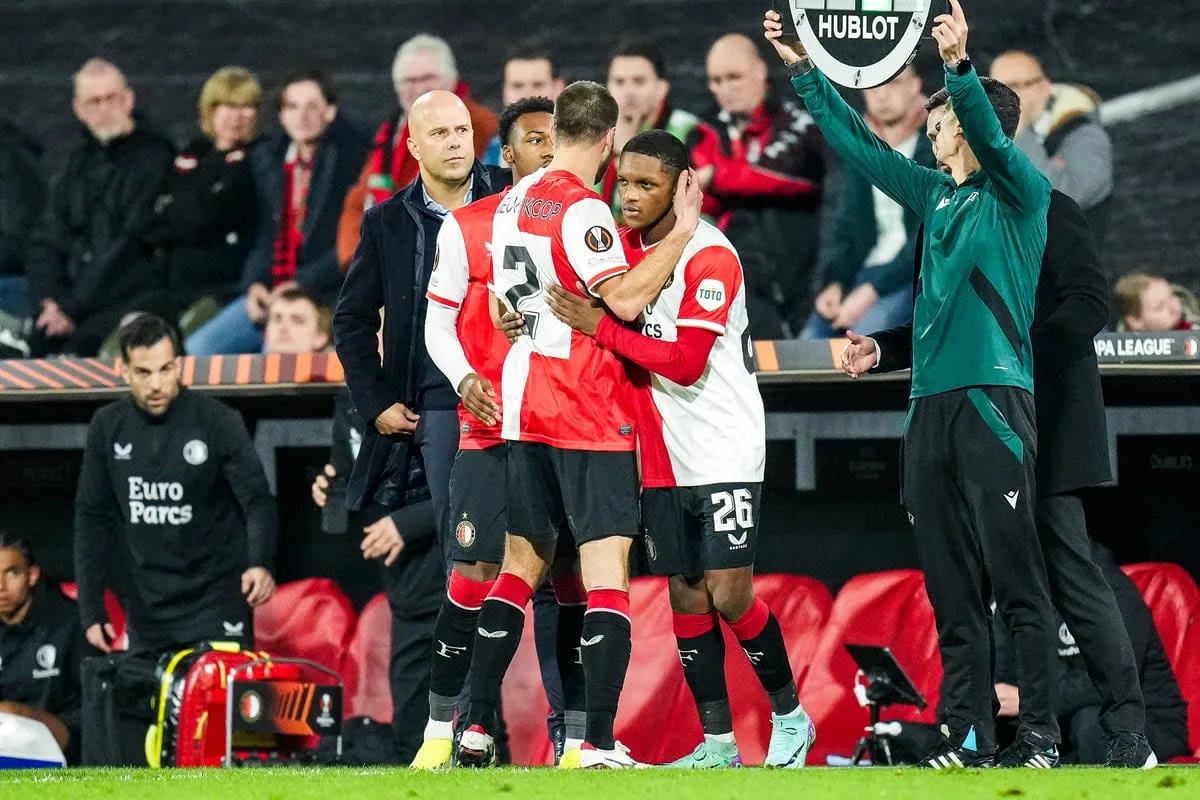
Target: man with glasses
column 1061, row 133
column 86, row 265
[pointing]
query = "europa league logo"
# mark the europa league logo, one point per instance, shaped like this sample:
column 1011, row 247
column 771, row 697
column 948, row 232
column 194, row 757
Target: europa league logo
column 858, row 43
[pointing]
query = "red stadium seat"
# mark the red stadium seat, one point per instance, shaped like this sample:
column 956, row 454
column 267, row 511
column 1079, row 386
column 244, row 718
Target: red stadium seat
column 885, row 609
column 657, row 718
column 310, row 619
column 368, row 659
column 1174, row 601
column 116, row 615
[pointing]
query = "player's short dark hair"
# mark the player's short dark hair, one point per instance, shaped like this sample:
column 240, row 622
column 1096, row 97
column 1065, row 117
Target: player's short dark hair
column 585, row 112
column 311, row 75
column 324, row 315
column 514, row 111
column 534, row 49
column 10, row 541
column 656, row 143
column 631, row 47
column 146, row 330
column 1004, row 102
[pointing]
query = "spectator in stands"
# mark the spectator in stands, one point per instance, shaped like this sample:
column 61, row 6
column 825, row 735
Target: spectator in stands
column 1060, row 131
column 866, row 265
column 297, row 323
column 87, row 263
column 530, row 71
column 637, row 81
column 1078, row 704
column 204, row 219
column 300, row 176
column 423, row 64
column 22, row 193
column 41, row 647
column 1148, row 302
column 761, row 161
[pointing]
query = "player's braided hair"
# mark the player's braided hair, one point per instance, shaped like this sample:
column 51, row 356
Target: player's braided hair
column 585, row 112
column 656, row 143
column 514, row 111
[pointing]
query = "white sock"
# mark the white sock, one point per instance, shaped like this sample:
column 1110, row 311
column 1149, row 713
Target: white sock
column 720, row 738
column 438, row 730
column 572, row 744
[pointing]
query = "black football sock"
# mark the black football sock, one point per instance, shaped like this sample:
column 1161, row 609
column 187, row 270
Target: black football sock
column 702, row 653
column 605, row 646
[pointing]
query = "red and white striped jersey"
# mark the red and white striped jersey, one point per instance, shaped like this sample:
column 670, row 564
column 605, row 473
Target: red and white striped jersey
column 560, row 387
column 713, row 431
column 462, row 270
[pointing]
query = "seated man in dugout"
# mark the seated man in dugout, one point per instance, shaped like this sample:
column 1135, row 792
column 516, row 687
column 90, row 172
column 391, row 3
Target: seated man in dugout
column 297, row 323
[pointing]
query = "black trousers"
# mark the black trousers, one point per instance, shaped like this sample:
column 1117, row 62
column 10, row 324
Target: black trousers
column 412, row 642
column 1086, row 603
column 968, row 485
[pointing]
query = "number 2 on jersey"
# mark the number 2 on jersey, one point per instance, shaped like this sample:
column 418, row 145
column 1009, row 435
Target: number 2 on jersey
column 518, row 258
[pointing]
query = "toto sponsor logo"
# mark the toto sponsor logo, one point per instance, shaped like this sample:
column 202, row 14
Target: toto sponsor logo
column 860, row 43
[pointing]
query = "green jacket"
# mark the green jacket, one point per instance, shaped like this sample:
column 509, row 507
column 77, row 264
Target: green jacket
column 854, row 231
column 983, row 242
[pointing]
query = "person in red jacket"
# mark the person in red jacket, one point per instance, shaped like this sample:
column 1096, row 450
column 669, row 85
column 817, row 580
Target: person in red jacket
column 761, row 162
column 423, row 64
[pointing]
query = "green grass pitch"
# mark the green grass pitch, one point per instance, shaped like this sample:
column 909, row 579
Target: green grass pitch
column 544, row 784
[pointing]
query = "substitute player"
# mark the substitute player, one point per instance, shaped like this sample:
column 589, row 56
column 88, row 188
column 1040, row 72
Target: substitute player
column 172, row 510
column 467, row 347
column 702, row 434
column 969, row 440
column 568, row 416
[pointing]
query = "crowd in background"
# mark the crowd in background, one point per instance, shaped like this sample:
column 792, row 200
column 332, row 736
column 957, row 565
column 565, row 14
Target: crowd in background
column 211, row 235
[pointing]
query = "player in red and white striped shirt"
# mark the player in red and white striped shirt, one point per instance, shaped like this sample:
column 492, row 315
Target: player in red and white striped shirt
column 568, row 415
column 702, row 438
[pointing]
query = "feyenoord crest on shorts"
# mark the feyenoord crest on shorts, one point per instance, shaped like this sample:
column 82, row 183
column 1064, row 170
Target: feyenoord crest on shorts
column 860, row 43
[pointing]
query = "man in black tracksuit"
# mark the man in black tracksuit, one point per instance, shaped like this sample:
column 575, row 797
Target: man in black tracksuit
column 173, row 509
column 969, row 441
column 1071, row 308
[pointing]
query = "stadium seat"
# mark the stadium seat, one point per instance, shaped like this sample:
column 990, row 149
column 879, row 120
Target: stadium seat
column 657, row 719
column 1174, row 602
column 310, row 619
column 368, row 659
column 885, row 609
column 116, row 615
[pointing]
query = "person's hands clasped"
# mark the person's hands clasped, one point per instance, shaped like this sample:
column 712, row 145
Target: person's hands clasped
column 829, row 301
column 860, row 355
column 790, row 51
column 258, row 585
column 382, row 540
column 578, row 312
column 950, row 32
column 396, row 418
column 479, row 397
column 854, row 306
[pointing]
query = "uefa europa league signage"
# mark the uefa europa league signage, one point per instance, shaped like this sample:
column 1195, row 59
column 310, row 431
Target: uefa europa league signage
column 859, row 43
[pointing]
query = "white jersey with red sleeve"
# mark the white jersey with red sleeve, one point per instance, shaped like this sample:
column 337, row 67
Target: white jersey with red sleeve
column 713, row 431
column 462, row 269
column 560, row 387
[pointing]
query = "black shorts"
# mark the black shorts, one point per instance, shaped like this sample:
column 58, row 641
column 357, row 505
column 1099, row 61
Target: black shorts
column 478, row 505
column 691, row 529
column 593, row 494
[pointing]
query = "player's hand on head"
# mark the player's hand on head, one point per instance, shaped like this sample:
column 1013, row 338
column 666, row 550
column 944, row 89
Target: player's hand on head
column 950, row 32
column 512, row 325
column 382, row 540
column 101, row 636
column 860, row 355
column 479, row 397
column 581, row 314
column 396, row 418
column 688, row 199
column 320, row 487
column 258, row 585
column 791, row 50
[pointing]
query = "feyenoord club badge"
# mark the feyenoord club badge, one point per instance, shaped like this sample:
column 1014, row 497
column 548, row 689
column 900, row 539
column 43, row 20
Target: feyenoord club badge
column 858, row 43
